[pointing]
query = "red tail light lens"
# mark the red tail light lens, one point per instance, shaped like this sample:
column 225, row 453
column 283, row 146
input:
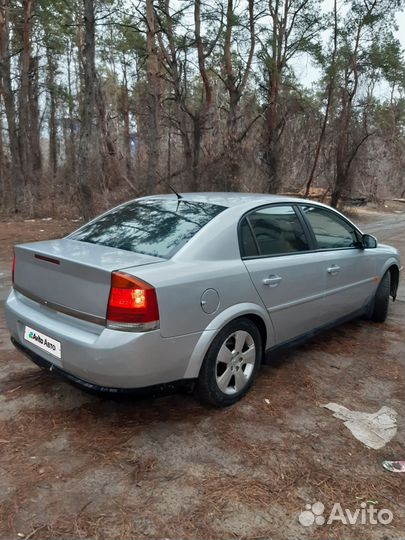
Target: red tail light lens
column 132, row 301
column 13, row 270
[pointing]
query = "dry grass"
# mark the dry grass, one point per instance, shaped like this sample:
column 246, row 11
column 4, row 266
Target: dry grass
column 78, row 466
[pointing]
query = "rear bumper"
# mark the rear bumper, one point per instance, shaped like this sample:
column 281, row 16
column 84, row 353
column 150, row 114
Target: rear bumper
column 97, row 356
column 91, row 387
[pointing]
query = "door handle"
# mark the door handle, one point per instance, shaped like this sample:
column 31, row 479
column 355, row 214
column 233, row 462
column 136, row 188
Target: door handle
column 334, row 269
column 272, row 280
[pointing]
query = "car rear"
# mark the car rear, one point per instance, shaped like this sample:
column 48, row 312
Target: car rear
column 78, row 305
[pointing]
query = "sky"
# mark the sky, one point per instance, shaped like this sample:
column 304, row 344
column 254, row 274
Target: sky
column 308, row 74
column 401, row 26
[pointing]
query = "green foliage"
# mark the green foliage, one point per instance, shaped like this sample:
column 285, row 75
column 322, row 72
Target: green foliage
column 387, row 57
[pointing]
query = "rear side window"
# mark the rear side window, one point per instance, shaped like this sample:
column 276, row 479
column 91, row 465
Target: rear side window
column 157, row 227
column 248, row 243
column 277, row 230
column 331, row 231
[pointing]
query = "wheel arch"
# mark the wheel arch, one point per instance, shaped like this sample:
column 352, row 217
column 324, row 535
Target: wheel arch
column 259, row 323
column 253, row 312
column 394, row 272
column 391, row 265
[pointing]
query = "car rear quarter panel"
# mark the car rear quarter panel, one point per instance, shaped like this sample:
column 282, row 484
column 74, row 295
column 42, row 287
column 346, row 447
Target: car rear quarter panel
column 180, row 286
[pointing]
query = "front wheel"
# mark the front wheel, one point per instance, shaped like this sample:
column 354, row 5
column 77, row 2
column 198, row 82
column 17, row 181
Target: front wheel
column 382, row 298
column 231, row 363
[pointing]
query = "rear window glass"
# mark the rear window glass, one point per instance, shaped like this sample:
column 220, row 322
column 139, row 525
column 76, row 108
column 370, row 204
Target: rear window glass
column 153, row 227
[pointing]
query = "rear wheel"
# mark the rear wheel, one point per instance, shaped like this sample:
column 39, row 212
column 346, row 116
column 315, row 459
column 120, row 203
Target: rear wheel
column 231, row 363
column 382, row 298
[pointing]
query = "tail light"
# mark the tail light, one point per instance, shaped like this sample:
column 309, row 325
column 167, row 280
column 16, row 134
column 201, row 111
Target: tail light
column 13, row 270
column 132, row 304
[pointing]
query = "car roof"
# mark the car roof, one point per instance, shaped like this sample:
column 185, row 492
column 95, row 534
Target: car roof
column 229, row 199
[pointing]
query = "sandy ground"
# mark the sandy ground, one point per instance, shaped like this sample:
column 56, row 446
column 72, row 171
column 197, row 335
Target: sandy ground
column 74, row 465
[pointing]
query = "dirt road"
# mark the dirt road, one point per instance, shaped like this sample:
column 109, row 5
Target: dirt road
column 79, row 466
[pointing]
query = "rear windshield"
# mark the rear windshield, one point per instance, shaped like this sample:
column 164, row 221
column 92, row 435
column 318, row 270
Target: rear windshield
column 152, row 227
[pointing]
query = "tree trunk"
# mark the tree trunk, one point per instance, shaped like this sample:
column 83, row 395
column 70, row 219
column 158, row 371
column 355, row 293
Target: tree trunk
column 34, row 131
column 271, row 154
column 81, row 46
column 201, row 116
column 2, row 163
column 126, row 121
column 331, row 88
column 88, row 112
column 25, row 125
column 341, row 150
column 235, row 91
column 153, row 101
column 9, row 105
column 232, row 147
column 276, row 63
column 341, row 178
column 71, row 150
column 108, row 151
column 53, row 142
column 198, row 123
column 344, row 154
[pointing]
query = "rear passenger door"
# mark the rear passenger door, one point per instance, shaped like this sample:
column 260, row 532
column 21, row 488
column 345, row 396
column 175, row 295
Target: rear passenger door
column 276, row 249
column 349, row 269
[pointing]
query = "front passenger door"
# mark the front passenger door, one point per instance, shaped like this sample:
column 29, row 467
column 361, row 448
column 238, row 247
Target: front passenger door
column 276, row 251
column 350, row 271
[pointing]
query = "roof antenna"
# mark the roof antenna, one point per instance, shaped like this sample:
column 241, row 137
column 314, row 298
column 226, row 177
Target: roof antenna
column 175, row 192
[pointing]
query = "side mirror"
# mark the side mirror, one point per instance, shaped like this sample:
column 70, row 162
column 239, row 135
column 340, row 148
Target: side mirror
column 369, row 241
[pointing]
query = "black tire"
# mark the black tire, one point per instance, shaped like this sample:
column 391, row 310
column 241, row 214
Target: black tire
column 207, row 386
column 382, row 298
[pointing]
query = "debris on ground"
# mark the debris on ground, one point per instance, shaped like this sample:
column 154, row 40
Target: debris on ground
column 394, row 466
column 374, row 430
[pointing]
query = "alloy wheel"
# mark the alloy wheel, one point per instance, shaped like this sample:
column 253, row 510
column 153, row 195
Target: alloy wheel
column 235, row 362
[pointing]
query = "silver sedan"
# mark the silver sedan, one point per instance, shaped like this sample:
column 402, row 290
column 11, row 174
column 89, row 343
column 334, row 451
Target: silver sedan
column 193, row 288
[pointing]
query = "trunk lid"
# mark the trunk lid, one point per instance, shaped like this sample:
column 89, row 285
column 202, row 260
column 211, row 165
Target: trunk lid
column 72, row 274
